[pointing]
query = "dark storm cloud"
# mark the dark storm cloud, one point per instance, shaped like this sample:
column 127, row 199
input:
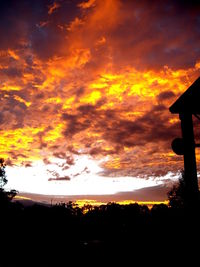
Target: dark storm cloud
column 17, row 19
column 46, row 161
column 26, row 164
column 74, row 125
column 83, row 120
column 62, row 155
column 85, row 170
column 13, row 112
column 15, row 155
column 156, row 126
column 70, row 160
column 152, row 34
column 166, row 95
column 153, row 126
column 65, row 178
column 48, row 36
column 28, row 22
column 71, row 149
column 41, row 134
column 11, row 72
column 59, row 155
column 143, row 171
column 157, row 33
column 9, row 162
column 45, row 40
column 2, row 118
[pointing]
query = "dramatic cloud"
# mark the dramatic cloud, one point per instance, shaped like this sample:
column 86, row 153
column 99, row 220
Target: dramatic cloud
column 95, row 79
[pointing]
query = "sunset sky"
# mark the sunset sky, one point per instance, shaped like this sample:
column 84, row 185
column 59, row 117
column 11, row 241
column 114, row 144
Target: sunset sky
column 85, row 89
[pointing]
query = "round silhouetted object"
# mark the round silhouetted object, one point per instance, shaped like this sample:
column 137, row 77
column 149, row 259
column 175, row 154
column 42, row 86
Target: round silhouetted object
column 177, row 146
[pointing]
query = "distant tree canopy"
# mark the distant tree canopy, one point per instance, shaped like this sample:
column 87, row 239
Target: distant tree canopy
column 3, row 179
column 178, row 197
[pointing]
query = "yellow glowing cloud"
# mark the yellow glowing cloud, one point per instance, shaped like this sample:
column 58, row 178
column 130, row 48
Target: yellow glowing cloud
column 53, row 100
column 53, row 135
column 91, row 98
column 68, row 102
column 20, row 141
column 18, row 98
column 13, row 54
column 10, row 87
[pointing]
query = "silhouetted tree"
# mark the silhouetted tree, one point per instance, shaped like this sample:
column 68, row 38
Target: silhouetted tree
column 177, row 194
column 5, row 196
column 3, row 179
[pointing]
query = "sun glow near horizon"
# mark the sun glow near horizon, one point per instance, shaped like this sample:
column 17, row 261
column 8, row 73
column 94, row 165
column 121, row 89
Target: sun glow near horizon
column 84, row 178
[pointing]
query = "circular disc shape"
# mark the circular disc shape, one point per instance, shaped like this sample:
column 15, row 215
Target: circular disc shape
column 177, row 146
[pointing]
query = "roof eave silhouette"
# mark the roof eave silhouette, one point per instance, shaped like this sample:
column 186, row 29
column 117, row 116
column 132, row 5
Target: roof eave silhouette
column 189, row 101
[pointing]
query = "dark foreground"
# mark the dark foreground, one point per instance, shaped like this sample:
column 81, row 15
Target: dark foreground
column 109, row 235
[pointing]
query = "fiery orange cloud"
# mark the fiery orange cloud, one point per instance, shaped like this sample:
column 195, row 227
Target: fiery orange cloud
column 53, row 7
column 96, row 78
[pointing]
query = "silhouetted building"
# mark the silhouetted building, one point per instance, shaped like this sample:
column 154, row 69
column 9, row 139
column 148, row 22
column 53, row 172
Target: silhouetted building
column 187, row 105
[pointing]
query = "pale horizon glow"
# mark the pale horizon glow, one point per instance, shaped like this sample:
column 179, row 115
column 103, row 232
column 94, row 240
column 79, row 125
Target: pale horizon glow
column 34, row 179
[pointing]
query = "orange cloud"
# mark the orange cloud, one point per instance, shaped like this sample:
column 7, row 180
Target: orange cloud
column 53, row 7
column 87, row 4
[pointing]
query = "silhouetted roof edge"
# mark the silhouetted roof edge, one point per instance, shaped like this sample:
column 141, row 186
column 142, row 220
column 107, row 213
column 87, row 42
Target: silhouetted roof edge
column 186, row 102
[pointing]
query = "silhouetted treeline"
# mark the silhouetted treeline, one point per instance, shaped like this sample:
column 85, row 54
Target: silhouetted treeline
column 50, row 234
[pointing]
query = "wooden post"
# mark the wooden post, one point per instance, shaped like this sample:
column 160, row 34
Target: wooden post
column 190, row 169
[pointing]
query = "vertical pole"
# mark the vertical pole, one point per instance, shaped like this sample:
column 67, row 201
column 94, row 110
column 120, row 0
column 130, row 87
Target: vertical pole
column 190, row 169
